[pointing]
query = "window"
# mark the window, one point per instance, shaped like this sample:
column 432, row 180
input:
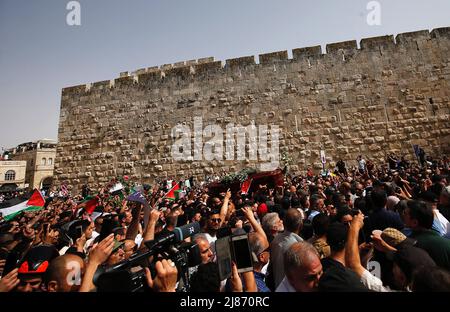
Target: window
column 10, row 175
column 43, row 161
column 50, row 161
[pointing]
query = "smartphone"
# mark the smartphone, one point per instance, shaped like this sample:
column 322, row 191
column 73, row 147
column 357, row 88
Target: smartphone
column 223, row 253
column 241, row 253
column 12, row 262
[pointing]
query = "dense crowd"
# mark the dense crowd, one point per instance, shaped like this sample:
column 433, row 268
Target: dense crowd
column 375, row 227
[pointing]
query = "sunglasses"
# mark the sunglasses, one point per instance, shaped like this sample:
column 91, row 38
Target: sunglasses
column 216, row 220
column 265, row 250
column 206, row 250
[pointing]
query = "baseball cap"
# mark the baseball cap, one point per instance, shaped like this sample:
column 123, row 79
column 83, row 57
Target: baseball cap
column 117, row 245
column 393, row 236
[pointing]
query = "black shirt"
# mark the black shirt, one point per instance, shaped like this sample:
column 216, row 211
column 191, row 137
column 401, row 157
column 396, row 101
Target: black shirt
column 382, row 218
column 337, row 277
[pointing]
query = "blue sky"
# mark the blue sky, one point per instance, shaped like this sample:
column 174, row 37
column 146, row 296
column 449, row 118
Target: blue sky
column 40, row 54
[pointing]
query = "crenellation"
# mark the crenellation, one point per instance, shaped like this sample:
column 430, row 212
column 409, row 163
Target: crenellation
column 240, row 62
column 178, row 71
column 179, row 64
column 74, row 89
column 202, row 68
column 440, row 32
column 375, row 43
column 206, row 60
column 301, row 53
column 412, row 37
column 345, row 46
column 273, row 57
column 123, row 81
column 154, row 75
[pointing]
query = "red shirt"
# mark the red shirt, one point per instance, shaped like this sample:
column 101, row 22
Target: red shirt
column 262, row 209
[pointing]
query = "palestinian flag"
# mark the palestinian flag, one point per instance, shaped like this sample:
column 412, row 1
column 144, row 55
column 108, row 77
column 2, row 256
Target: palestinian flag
column 171, row 193
column 34, row 203
column 89, row 204
column 245, row 187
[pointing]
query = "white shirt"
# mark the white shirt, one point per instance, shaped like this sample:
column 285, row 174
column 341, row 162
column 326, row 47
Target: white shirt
column 211, row 239
column 63, row 250
column 362, row 164
column 373, row 283
column 285, row 286
column 442, row 223
column 90, row 241
column 138, row 240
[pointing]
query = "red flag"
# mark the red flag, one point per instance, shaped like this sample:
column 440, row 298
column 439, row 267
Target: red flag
column 90, row 205
column 36, row 199
column 245, row 187
column 171, row 194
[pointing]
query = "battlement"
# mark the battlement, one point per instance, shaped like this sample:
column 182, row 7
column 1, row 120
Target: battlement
column 203, row 66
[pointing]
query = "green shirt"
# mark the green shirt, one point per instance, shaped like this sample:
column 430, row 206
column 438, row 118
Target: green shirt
column 437, row 246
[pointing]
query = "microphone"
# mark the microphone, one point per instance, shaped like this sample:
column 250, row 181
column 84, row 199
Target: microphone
column 177, row 235
column 185, row 231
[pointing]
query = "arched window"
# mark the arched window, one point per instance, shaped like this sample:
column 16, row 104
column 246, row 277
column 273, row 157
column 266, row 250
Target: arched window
column 50, row 161
column 44, row 161
column 10, row 175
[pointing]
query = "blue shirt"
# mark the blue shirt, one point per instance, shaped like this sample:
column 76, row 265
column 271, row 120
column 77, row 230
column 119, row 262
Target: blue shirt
column 259, row 280
column 260, row 283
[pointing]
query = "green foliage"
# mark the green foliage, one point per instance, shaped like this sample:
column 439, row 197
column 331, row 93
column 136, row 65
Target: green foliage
column 286, row 160
column 240, row 176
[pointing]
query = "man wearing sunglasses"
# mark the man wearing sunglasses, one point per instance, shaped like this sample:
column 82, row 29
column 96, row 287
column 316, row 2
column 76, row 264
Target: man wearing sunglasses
column 216, row 219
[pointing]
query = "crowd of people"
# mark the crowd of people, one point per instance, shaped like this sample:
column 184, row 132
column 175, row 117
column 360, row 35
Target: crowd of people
column 377, row 227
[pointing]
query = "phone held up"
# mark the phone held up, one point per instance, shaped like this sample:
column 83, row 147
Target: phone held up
column 234, row 248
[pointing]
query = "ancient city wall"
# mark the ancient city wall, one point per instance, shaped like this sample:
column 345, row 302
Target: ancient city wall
column 381, row 97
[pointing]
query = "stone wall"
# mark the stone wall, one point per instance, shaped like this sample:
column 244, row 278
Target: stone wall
column 381, row 97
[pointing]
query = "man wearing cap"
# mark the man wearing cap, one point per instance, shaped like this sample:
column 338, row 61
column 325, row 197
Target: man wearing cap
column 117, row 254
column 34, row 266
column 419, row 217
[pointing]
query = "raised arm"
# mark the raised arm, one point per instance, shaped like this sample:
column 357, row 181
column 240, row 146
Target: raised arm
column 251, row 218
column 149, row 233
column 133, row 229
column 224, row 209
column 352, row 258
column 97, row 256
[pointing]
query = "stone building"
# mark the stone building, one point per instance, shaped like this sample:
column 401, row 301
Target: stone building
column 383, row 96
column 12, row 175
column 40, row 161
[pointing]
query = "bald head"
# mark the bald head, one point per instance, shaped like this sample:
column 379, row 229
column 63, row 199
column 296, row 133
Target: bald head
column 293, row 220
column 259, row 247
column 64, row 273
column 302, row 267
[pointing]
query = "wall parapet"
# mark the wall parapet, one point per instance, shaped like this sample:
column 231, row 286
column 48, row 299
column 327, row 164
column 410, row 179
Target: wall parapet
column 207, row 65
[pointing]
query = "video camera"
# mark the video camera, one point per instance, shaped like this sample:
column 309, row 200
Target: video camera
column 129, row 275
